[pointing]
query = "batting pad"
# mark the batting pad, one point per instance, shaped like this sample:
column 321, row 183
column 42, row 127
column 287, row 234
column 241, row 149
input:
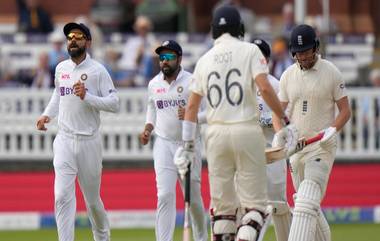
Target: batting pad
column 282, row 219
column 305, row 212
column 323, row 232
column 252, row 223
column 224, row 229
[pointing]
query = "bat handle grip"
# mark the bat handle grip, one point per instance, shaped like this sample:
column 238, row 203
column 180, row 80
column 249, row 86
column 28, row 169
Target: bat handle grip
column 187, row 184
column 315, row 139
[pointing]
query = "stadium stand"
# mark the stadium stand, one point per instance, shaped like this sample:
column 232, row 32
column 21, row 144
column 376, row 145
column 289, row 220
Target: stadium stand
column 20, row 107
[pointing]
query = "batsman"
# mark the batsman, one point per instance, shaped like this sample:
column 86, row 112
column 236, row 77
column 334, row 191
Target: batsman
column 227, row 76
column 310, row 90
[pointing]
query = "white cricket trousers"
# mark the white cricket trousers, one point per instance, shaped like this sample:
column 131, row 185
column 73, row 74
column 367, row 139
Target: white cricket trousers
column 236, row 167
column 166, row 179
column 78, row 156
column 276, row 172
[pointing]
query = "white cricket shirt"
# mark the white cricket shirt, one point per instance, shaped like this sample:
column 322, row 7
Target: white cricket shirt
column 312, row 95
column 265, row 118
column 76, row 116
column 265, row 110
column 225, row 75
column 163, row 102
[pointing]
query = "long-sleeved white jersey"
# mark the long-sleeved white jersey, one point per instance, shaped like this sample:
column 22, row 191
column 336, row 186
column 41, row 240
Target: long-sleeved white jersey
column 163, row 102
column 77, row 116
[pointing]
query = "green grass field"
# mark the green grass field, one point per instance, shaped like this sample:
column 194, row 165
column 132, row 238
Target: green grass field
column 340, row 232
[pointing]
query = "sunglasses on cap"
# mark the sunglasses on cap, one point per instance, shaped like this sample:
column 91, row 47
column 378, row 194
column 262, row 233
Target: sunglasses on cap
column 167, row 57
column 76, row 36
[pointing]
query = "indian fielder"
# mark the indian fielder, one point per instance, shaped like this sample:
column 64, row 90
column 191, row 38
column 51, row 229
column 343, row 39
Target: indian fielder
column 83, row 88
column 276, row 171
column 311, row 89
column 226, row 75
column 168, row 93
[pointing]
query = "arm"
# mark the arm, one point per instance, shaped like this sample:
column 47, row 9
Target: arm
column 52, row 108
column 149, row 123
column 341, row 119
column 50, row 112
column 191, row 113
column 108, row 101
column 344, row 113
column 202, row 114
column 277, row 124
column 185, row 154
column 269, row 96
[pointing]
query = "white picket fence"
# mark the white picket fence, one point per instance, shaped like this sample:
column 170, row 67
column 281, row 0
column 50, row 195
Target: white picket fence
column 20, row 108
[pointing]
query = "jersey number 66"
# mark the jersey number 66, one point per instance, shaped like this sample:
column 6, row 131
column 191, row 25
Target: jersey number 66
column 216, row 89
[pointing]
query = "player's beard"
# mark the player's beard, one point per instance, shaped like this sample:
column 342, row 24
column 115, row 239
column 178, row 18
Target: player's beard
column 75, row 53
column 168, row 70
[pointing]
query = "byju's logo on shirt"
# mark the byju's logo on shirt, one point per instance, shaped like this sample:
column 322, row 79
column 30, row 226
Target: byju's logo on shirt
column 66, row 91
column 161, row 104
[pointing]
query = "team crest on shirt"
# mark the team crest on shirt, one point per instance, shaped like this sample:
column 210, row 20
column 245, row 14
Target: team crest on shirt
column 179, row 89
column 83, row 77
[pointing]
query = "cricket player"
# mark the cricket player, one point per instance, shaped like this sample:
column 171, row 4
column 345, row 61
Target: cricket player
column 276, row 172
column 83, row 88
column 311, row 89
column 168, row 94
column 226, row 75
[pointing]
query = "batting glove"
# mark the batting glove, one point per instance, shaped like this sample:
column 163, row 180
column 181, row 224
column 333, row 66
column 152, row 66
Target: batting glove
column 329, row 136
column 301, row 143
column 279, row 139
column 287, row 137
column 183, row 157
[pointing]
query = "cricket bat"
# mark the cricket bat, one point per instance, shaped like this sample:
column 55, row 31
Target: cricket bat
column 278, row 153
column 186, row 222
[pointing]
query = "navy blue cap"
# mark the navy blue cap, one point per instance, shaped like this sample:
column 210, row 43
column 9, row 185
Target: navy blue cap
column 170, row 45
column 263, row 46
column 226, row 15
column 302, row 38
column 70, row 26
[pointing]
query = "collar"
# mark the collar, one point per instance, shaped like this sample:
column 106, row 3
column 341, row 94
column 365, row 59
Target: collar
column 84, row 61
column 225, row 37
column 179, row 76
column 315, row 67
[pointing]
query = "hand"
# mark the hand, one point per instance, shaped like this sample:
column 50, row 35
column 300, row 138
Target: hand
column 287, row 137
column 301, row 143
column 79, row 89
column 144, row 137
column 183, row 157
column 291, row 138
column 278, row 139
column 41, row 123
column 329, row 136
column 181, row 112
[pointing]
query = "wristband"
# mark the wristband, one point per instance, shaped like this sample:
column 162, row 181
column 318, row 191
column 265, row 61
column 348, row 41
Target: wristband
column 189, row 130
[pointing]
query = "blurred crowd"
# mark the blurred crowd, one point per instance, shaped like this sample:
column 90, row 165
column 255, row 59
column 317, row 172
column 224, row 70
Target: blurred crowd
column 135, row 63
